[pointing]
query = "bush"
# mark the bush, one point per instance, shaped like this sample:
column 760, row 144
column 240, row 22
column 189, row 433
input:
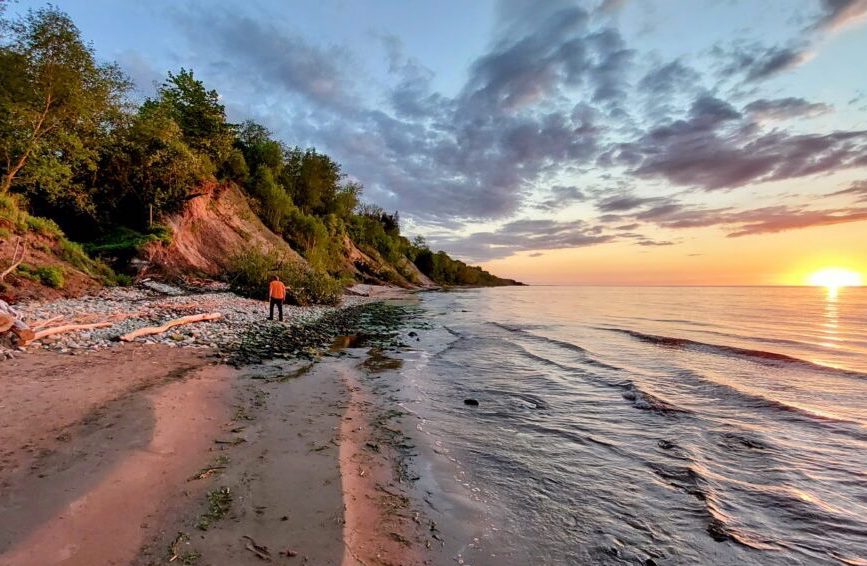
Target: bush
column 251, row 273
column 11, row 211
column 51, row 276
column 74, row 254
column 123, row 240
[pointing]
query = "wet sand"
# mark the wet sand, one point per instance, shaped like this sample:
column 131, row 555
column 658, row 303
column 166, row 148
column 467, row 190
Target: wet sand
column 97, row 446
column 109, row 457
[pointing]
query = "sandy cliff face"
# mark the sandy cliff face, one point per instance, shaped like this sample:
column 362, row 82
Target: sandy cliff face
column 213, row 227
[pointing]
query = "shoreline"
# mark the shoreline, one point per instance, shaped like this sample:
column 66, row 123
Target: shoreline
column 125, row 443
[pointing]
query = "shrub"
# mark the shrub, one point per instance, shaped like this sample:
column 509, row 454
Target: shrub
column 51, row 276
column 74, row 254
column 11, row 211
column 251, row 272
column 126, row 241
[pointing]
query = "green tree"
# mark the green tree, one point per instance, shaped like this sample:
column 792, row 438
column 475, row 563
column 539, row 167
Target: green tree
column 56, row 104
column 161, row 168
column 200, row 115
column 313, row 179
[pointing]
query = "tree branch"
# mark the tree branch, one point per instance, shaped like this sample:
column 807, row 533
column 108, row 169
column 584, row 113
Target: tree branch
column 15, row 263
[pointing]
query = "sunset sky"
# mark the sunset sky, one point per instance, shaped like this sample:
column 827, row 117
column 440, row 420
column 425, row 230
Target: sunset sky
column 629, row 142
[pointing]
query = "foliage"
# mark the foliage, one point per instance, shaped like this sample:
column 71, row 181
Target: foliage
column 123, row 240
column 57, row 108
column 51, row 276
column 444, row 270
column 199, row 114
column 11, row 212
column 219, row 505
column 162, row 168
column 251, row 273
column 44, row 226
column 74, row 254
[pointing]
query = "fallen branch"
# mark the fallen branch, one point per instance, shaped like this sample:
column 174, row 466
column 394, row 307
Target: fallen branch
column 15, row 262
column 149, row 330
column 261, row 551
column 62, row 329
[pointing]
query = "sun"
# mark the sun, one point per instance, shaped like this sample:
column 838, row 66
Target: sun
column 834, row 278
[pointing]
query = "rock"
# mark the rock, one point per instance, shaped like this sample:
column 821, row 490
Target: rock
column 413, row 334
column 471, row 402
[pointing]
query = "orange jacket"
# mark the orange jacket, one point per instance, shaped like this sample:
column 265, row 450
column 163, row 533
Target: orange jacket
column 277, row 290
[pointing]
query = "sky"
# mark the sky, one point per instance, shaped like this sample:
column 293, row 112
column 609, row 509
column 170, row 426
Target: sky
column 706, row 142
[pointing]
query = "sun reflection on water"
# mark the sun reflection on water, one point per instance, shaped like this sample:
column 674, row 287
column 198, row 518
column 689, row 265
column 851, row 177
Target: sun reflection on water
column 831, row 323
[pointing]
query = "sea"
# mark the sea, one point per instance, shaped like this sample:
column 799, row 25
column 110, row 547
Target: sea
column 641, row 425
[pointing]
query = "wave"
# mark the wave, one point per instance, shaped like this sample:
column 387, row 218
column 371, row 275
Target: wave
column 748, row 399
column 760, row 356
column 644, row 400
column 587, row 357
column 648, row 402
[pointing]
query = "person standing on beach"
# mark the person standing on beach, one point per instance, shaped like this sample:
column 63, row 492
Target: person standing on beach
column 277, row 294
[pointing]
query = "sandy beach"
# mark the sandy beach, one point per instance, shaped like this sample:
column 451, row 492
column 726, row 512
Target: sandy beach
column 154, row 454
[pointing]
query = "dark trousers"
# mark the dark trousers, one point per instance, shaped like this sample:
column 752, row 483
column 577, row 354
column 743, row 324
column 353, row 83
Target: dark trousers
column 279, row 303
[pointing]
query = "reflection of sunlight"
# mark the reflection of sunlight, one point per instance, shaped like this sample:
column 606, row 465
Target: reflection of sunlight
column 831, row 322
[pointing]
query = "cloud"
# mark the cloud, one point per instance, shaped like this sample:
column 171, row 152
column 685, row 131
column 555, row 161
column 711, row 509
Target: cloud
column 525, row 235
column 669, row 78
column 779, row 219
column 763, row 220
column 715, row 147
column 756, row 62
column 259, row 51
column 624, row 202
column 836, row 14
column 560, row 197
column 784, row 108
column 858, row 189
column 610, row 6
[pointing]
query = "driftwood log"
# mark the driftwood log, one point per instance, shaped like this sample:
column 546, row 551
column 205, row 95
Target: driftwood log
column 7, row 321
column 18, row 326
column 150, row 330
column 65, row 328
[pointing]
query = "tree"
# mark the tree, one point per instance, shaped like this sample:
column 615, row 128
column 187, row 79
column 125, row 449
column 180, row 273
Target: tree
column 313, row 179
column 56, row 103
column 199, row 114
column 161, row 166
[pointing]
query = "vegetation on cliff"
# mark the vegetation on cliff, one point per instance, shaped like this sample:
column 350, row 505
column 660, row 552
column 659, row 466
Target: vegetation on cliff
column 75, row 149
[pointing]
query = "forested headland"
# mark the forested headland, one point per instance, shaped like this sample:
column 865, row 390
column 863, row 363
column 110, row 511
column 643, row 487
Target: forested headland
column 89, row 178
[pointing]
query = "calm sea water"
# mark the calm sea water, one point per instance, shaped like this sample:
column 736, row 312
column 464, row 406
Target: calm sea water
column 644, row 425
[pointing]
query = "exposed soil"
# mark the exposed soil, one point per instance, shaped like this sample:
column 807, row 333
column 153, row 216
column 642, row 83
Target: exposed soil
column 40, row 252
column 213, row 227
